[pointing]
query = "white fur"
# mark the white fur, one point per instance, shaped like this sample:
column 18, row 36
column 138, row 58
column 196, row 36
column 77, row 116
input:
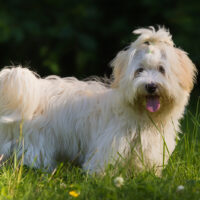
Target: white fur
column 90, row 124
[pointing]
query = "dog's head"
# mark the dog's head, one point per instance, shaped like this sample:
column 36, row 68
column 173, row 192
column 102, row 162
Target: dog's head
column 152, row 74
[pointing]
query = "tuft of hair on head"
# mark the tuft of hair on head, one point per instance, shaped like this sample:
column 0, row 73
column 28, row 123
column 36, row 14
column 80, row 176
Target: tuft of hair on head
column 153, row 36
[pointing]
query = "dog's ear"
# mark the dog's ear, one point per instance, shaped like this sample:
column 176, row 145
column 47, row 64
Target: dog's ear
column 119, row 63
column 188, row 71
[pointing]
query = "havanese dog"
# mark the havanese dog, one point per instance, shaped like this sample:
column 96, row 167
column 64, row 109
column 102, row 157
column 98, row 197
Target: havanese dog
column 91, row 124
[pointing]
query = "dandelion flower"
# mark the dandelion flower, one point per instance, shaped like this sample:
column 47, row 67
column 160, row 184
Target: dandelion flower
column 180, row 188
column 73, row 193
column 118, row 181
column 63, row 185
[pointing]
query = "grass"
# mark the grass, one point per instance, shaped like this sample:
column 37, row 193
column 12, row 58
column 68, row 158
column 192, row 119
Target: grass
column 67, row 182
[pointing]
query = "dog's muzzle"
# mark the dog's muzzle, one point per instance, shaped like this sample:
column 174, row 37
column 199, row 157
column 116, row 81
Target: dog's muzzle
column 152, row 99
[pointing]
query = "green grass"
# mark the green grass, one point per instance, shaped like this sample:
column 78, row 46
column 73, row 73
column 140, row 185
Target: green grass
column 19, row 182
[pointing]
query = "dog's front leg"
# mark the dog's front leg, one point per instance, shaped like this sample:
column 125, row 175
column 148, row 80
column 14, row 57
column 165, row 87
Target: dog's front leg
column 97, row 159
column 95, row 163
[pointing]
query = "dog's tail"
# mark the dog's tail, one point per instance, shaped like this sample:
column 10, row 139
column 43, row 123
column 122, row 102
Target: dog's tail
column 19, row 94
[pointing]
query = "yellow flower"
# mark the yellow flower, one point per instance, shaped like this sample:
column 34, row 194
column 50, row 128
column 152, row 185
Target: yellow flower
column 73, row 193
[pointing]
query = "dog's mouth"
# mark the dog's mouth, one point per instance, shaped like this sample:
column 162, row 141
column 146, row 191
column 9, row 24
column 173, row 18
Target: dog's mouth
column 152, row 103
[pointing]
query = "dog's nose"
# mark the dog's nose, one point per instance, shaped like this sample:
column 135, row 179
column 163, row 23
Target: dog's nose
column 151, row 88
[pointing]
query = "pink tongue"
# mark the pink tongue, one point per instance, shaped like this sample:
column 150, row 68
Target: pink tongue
column 152, row 103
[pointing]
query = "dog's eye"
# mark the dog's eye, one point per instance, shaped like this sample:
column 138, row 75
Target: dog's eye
column 161, row 69
column 139, row 70
column 147, row 42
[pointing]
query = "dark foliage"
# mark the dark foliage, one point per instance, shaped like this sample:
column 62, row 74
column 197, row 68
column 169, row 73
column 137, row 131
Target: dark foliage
column 80, row 37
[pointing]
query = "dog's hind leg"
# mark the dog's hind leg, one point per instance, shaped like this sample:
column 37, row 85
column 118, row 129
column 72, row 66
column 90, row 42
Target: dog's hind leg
column 19, row 94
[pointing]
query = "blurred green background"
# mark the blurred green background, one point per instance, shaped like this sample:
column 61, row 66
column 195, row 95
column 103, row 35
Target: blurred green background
column 80, row 37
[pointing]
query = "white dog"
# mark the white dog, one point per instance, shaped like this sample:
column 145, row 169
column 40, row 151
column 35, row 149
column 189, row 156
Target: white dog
column 93, row 125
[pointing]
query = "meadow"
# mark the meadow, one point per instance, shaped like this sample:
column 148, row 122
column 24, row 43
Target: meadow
column 180, row 178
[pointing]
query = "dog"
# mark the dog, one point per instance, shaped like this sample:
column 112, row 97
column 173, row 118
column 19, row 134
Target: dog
column 52, row 120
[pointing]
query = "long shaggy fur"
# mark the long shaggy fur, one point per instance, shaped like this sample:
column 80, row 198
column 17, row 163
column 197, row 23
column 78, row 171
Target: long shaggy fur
column 93, row 125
